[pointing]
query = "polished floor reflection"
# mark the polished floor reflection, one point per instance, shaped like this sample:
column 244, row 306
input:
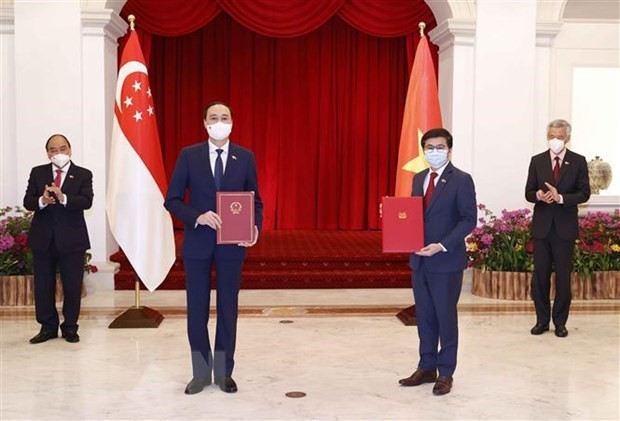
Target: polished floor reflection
column 343, row 348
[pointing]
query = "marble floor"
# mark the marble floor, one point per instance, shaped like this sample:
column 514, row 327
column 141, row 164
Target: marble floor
column 344, row 349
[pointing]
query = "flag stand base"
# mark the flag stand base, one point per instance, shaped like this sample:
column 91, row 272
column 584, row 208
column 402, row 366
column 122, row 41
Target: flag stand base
column 137, row 316
column 407, row 316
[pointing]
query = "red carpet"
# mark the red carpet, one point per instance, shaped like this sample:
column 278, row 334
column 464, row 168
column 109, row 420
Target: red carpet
column 302, row 259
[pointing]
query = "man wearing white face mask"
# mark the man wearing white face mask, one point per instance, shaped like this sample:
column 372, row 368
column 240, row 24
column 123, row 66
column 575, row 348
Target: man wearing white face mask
column 449, row 216
column 557, row 182
column 203, row 170
column 58, row 193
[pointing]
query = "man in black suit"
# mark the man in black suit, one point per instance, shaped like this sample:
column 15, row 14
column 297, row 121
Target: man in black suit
column 557, row 182
column 203, row 170
column 58, row 193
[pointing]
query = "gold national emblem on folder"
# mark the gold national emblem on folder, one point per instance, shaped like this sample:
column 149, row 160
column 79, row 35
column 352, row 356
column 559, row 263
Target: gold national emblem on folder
column 237, row 212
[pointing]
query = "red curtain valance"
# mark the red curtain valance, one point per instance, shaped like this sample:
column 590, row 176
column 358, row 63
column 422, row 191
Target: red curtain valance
column 281, row 18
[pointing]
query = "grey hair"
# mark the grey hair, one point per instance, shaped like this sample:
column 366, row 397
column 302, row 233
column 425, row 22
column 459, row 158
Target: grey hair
column 560, row 124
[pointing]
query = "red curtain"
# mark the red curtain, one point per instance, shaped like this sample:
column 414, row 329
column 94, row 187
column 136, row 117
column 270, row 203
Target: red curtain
column 319, row 100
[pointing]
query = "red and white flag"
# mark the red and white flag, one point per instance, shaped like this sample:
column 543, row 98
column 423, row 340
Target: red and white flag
column 422, row 113
column 137, row 181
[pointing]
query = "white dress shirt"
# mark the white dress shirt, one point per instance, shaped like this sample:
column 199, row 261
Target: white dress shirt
column 213, row 155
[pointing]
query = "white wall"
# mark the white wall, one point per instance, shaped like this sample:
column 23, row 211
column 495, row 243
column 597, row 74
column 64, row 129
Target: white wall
column 504, row 83
column 47, row 84
column 596, row 117
column 580, row 45
column 8, row 142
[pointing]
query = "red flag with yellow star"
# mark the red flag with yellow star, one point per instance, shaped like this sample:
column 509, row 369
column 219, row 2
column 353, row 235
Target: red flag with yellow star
column 422, row 113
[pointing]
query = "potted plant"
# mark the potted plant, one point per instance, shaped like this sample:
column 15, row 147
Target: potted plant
column 16, row 262
column 500, row 253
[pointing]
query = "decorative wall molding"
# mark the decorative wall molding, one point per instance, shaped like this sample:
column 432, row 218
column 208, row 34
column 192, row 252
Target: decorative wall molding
column 103, row 22
column 453, row 32
column 546, row 33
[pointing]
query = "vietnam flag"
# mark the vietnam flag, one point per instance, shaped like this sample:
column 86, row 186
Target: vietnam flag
column 137, row 181
column 422, row 113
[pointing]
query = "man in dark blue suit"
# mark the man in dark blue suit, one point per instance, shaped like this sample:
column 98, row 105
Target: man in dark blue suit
column 203, row 169
column 449, row 216
column 58, row 193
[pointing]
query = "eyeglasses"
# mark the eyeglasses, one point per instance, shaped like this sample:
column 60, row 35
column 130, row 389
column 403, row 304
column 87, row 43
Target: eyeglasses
column 430, row 148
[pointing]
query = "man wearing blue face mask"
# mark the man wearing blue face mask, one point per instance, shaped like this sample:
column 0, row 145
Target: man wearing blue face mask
column 58, row 193
column 557, row 182
column 449, row 216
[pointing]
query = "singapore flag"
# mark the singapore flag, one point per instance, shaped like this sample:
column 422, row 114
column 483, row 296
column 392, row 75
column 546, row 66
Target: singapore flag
column 137, row 181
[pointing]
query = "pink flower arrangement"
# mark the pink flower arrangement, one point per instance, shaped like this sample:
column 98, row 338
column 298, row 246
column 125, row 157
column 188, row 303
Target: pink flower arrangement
column 598, row 246
column 504, row 243
column 501, row 243
column 15, row 256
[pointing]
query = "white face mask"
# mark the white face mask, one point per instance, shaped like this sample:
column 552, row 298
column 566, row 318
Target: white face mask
column 60, row 160
column 556, row 145
column 219, row 130
column 437, row 158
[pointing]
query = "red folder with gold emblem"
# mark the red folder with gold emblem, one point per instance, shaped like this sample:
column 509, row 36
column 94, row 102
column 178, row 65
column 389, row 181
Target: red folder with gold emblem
column 403, row 224
column 237, row 212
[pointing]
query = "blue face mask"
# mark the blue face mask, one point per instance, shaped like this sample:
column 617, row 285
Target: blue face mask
column 436, row 158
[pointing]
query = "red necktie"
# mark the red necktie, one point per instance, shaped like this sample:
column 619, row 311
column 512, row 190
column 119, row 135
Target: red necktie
column 556, row 169
column 58, row 178
column 430, row 189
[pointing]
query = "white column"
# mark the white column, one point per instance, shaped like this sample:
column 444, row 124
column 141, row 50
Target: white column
column 455, row 39
column 100, row 31
column 9, row 188
column 504, row 111
column 545, row 34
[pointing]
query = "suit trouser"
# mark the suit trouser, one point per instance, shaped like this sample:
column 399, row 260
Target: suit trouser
column 436, row 297
column 559, row 252
column 198, row 288
column 71, row 267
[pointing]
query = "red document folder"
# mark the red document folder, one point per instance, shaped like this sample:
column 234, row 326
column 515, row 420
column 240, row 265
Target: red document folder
column 237, row 212
column 403, row 224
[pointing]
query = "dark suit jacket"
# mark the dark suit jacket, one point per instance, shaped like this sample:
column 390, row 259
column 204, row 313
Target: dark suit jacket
column 64, row 224
column 193, row 172
column 448, row 219
column 573, row 185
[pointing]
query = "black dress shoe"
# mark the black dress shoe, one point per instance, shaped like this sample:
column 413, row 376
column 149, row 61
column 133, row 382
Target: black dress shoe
column 226, row 384
column 197, row 384
column 561, row 332
column 539, row 329
column 43, row 336
column 419, row 377
column 70, row 336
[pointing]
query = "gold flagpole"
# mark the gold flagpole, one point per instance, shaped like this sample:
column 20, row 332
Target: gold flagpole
column 407, row 315
column 137, row 316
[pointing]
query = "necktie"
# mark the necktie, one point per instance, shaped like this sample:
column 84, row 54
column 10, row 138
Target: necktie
column 218, row 173
column 556, row 169
column 430, row 189
column 58, row 178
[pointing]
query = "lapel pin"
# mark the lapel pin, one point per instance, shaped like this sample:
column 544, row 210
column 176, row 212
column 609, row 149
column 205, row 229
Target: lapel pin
column 70, row 176
column 234, row 157
column 566, row 162
column 443, row 180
